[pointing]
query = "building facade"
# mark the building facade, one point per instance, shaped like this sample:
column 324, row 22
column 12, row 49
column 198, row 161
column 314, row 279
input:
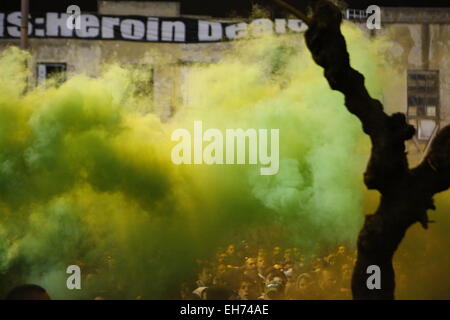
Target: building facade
column 421, row 52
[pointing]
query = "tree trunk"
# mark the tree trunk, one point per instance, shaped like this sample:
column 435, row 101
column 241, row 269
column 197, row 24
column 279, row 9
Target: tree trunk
column 406, row 194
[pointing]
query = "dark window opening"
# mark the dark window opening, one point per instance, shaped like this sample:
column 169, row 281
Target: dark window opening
column 51, row 71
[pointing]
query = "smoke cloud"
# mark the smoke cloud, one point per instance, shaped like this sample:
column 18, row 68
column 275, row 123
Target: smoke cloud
column 86, row 176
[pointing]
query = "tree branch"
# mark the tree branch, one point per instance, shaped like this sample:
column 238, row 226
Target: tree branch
column 406, row 194
column 388, row 133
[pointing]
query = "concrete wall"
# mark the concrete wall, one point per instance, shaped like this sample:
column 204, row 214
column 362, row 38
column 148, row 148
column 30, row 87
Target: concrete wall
column 421, row 41
column 440, row 60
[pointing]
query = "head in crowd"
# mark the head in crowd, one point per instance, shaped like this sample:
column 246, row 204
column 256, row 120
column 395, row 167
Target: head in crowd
column 274, row 290
column 248, row 290
column 28, row 292
column 250, row 275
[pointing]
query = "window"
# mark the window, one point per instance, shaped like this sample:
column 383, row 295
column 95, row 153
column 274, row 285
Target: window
column 423, row 102
column 47, row 71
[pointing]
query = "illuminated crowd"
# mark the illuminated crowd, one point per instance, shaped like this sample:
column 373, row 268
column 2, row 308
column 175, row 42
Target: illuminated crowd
column 245, row 273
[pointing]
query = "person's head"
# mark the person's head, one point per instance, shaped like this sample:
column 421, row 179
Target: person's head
column 303, row 282
column 287, row 254
column 276, row 251
column 261, row 263
column 261, row 252
column 328, row 279
column 230, row 249
column 221, row 257
column 221, row 269
column 277, row 279
column 248, row 290
column 244, row 288
column 288, row 268
column 244, row 246
column 205, row 275
column 276, row 275
column 274, row 290
column 330, row 259
column 277, row 268
column 318, row 264
column 28, row 292
column 250, row 264
column 346, row 271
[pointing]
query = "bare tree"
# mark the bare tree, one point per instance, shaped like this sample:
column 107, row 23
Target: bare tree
column 406, row 194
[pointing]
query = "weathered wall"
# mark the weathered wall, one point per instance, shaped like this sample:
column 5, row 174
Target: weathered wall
column 440, row 60
column 421, row 40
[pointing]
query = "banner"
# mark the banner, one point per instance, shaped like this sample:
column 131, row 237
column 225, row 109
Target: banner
column 140, row 28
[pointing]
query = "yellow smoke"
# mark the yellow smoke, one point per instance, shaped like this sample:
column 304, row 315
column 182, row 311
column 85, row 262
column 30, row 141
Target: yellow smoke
column 86, row 176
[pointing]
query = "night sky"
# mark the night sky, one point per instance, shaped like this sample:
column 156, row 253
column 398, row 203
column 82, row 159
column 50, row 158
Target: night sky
column 213, row 8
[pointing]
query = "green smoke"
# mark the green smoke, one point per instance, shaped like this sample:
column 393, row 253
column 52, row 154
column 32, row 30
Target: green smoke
column 86, row 176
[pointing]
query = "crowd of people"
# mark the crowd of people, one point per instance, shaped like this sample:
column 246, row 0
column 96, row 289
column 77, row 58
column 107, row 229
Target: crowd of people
column 245, row 273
